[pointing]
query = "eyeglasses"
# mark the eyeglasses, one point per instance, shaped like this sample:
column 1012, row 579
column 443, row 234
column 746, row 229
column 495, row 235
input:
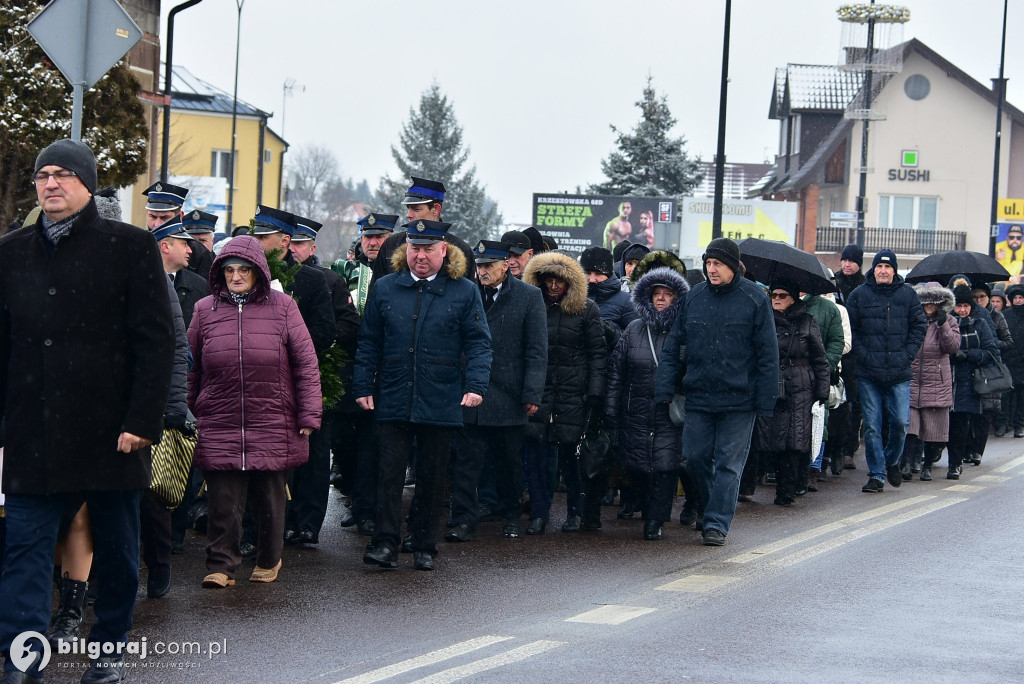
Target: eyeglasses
column 780, row 295
column 979, row 297
column 240, row 270
column 59, row 176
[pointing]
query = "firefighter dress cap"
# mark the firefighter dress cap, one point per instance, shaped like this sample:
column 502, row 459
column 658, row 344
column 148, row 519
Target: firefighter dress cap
column 377, row 224
column 423, row 191
column 269, row 220
column 164, row 197
column 488, row 251
column 423, row 232
column 305, row 229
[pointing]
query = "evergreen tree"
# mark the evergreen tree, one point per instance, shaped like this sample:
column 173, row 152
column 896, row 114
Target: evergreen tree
column 431, row 147
column 35, row 110
column 649, row 162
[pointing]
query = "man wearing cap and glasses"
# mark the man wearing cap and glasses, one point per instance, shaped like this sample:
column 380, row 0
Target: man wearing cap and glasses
column 423, row 200
column 424, row 353
column 1010, row 253
column 164, row 202
column 85, row 361
column 494, row 430
column 275, row 229
column 520, row 251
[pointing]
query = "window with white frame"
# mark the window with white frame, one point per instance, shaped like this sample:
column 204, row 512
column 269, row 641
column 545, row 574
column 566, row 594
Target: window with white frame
column 795, row 141
column 220, row 164
column 905, row 211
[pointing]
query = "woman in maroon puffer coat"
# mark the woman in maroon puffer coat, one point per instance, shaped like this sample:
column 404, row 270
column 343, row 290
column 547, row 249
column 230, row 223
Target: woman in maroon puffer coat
column 255, row 392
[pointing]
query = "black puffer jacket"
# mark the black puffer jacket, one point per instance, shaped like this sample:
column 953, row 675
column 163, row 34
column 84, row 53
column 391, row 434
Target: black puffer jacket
column 615, row 305
column 804, row 369
column 1013, row 357
column 647, row 441
column 577, row 357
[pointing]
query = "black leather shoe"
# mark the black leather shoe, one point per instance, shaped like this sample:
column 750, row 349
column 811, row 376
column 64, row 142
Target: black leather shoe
column 104, row 670
column 421, row 560
column 382, row 556
column 307, row 536
column 248, row 550
column 158, row 583
column 347, row 519
column 893, row 475
column 407, row 544
column 626, row 512
column 536, row 526
column 461, row 533
column 177, row 547
column 687, row 518
column 511, row 530
column 201, row 520
column 366, row 527
column 652, row 530
column 592, row 523
column 571, row 524
column 291, row 537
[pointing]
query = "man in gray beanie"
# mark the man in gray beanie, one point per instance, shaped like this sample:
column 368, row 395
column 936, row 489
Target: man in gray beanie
column 85, row 372
column 730, row 374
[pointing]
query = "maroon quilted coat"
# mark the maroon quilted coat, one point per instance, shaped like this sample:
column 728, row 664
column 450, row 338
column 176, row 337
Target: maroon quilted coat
column 255, row 381
column 931, row 385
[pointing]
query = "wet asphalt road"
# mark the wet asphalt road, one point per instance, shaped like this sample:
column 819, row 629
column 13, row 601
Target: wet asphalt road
column 915, row 584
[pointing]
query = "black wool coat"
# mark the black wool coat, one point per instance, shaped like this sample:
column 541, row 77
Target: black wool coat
column 805, row 372
column 577, row 353
column 309, row 288
column 190, row 289
column 86, row 349
column 519, row 343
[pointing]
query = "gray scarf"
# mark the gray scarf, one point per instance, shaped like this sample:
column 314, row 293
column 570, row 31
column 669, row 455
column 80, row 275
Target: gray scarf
column 239, row 298
column 56, row 230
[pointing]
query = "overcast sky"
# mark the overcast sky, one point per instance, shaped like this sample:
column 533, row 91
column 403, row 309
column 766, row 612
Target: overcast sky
column 535, row 84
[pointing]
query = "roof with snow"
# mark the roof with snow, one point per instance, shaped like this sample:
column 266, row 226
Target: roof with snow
column 813, row 87
column 190, row 92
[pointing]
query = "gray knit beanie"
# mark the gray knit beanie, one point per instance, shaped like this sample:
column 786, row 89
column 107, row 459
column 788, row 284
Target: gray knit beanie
column 73, row 156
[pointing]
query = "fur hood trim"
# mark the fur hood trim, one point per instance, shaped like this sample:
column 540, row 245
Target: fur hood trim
column 659, row 258
column 455, row 261
column 564, row 267
column 933, row 293
column 661, row 321
column 1012, row 291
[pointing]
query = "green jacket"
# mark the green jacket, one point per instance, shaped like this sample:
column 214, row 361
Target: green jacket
column 830, row 322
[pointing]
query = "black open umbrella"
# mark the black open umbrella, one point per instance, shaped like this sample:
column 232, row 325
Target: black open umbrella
column 769, row 261
column 980, row 268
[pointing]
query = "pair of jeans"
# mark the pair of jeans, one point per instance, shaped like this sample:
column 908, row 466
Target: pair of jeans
column 26, row 582
column 715, row 446
column 892, row 402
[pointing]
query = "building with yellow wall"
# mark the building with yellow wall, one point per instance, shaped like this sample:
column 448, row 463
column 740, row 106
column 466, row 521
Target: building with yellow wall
column 200, row 152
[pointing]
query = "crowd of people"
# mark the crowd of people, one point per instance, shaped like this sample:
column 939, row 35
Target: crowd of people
column 486, row 375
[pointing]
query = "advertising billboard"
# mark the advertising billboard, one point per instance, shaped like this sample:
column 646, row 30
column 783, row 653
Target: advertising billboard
column 1010, row 235
column 580, row 221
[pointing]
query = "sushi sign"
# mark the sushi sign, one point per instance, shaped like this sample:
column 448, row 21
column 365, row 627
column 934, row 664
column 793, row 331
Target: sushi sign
column 908, row 170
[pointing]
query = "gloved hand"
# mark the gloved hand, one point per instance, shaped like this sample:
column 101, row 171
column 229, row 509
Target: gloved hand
column 180, row 423
column 940, row 318
column 960, row 356
column 833, row 377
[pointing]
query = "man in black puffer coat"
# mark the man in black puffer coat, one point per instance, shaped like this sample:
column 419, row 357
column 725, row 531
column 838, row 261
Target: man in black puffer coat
column 605, row 288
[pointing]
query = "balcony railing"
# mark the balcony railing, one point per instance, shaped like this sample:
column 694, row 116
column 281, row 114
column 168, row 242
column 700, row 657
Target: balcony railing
column 900, row 240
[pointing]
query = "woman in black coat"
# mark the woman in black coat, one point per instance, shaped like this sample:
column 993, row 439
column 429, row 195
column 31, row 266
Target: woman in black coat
column 574, row 388
column 647, row 441
column 805, row 374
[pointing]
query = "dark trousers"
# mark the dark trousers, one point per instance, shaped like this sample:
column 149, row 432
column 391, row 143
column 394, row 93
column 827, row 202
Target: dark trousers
column 26, row 583
column 582, row 494
column 310, row 486
column 655, row 491
column 395, row 440
column 183, row 516
column 959, row 444
column 715, row 446
column 1013, row 406
column 155, row 525
column 788, row 465
column 227, row 493
column 541, row 463
column 502, row 448
column 367, row 455
column 981, row 423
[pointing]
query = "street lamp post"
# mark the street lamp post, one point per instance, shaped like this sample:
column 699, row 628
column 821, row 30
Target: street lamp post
column 234, row 124
column 168, row 60
column 1000, row 84
column 716, row 216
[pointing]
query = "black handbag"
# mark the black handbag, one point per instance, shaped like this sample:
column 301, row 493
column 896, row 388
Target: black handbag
column 994, row 378
column 594, row 452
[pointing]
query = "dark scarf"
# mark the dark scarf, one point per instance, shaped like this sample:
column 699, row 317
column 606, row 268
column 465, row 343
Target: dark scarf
column 554, row 300
column 239, row 298
column 57, row 230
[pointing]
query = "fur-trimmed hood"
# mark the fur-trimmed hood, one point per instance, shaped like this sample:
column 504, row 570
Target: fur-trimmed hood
column 661, row 321
column 1012, row 291
column 659, row 258
column 564, row 267
column 454, row 262
column 933, row 293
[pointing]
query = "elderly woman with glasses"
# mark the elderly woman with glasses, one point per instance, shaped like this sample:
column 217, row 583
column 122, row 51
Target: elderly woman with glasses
column 255, row 392
column 804, row 380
